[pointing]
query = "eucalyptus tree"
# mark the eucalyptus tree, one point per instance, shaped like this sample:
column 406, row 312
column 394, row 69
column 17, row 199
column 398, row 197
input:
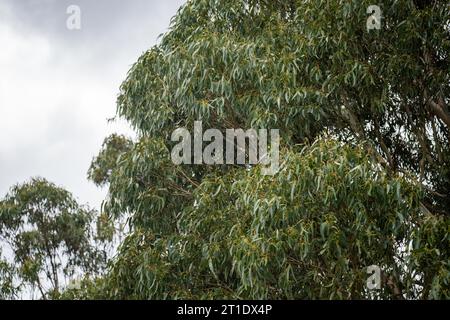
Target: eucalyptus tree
column 50, row 237
column 364, row 179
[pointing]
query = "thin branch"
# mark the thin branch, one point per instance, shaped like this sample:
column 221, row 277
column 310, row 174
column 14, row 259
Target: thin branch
column 439, row 110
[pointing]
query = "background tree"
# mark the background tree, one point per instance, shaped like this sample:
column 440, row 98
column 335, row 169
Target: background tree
column 365, row 132
column 50, row 236
column 8, row 289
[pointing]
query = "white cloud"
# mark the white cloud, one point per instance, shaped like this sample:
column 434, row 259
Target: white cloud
column 52, row 114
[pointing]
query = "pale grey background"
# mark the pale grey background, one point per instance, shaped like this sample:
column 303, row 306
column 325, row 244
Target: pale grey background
column 58, row 87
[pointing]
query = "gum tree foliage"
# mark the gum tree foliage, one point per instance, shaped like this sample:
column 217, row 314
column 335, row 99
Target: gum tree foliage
column 364, row 178
column 8, row 289
column 50, row 237
column 108, row 230
column 101, row 166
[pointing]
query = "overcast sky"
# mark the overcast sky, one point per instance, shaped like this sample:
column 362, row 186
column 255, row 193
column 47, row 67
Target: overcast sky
column 58, row 86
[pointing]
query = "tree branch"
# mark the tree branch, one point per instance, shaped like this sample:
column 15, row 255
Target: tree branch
column 440, row 111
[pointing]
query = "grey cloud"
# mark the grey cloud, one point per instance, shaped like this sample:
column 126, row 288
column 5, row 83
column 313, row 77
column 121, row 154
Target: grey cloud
column 86, row 68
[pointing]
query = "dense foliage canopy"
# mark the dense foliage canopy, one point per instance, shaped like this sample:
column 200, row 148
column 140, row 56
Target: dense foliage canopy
column 365, row 174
